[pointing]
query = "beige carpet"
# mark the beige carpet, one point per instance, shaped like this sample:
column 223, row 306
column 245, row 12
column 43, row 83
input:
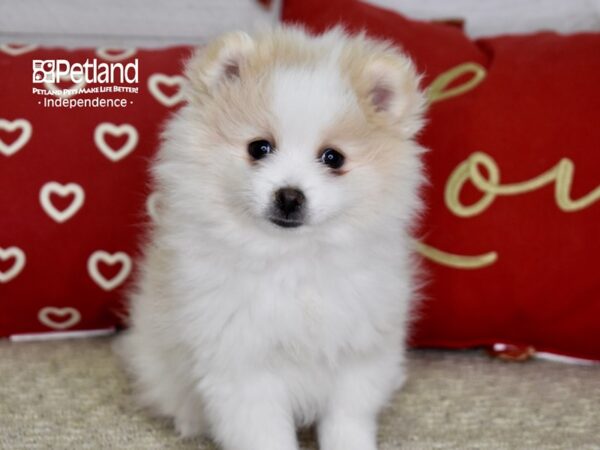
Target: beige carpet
column 72, row 395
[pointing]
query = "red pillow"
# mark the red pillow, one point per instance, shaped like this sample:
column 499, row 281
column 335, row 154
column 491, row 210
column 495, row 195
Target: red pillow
column 510, row 238
column 73, row 185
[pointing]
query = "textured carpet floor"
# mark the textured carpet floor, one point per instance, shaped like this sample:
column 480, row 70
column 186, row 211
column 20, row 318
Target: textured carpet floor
column 72, row 395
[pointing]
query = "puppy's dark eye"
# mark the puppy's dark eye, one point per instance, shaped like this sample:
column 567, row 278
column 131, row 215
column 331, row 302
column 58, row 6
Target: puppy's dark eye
column 259, row 149
column 332, row 158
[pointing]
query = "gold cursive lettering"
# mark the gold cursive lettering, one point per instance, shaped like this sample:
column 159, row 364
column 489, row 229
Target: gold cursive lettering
column 438, row 90
column 469, row 170
column 454, row 260
column 490, row 186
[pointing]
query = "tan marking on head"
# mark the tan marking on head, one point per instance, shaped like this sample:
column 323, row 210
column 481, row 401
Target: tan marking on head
column 239, row 102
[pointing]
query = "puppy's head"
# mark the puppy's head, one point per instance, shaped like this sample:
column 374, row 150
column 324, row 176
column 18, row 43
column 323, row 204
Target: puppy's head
column 289, row 133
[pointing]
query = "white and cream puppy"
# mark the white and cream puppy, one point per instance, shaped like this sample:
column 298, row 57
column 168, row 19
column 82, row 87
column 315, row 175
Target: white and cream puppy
column 276, row 286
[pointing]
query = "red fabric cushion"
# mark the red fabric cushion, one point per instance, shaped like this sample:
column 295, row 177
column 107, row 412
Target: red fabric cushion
column 73, row 186
column 526, row 108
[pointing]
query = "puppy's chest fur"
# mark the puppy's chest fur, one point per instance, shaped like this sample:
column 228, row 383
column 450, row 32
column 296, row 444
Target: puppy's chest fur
column 306, row 307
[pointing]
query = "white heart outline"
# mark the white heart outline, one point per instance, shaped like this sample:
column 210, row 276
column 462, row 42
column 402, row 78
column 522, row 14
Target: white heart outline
column 17, row 51
column 17, row 145
column 109, row 258
column 170, row 80
column 54, row 88
column 124, row 53
column 53, row 187
column 115, row 130
column 17, row 267
column 44, row 317
column 152, row 206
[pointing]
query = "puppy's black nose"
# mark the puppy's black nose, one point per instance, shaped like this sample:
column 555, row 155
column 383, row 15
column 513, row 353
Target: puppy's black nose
column 289, row 200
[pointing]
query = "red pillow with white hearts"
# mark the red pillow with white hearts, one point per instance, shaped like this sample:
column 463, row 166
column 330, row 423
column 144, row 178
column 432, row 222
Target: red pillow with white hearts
column 73, row 182
column 510, row 237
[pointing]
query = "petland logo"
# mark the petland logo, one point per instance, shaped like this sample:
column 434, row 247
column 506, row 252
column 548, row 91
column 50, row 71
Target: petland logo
column 55, row 70
column 91, row 84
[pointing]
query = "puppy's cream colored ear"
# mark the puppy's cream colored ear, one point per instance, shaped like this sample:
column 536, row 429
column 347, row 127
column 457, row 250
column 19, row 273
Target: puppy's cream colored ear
column 219, row 61
column 392, row 89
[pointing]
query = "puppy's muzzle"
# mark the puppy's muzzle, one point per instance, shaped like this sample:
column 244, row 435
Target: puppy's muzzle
column 288, row 208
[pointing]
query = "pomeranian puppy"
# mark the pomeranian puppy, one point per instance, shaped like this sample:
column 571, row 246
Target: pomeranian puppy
column 276, row 286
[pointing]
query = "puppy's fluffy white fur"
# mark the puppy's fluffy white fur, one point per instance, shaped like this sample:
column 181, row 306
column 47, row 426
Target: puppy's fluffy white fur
column 244, row 330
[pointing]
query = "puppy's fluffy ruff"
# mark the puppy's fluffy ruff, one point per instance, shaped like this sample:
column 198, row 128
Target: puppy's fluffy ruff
column 244, row 330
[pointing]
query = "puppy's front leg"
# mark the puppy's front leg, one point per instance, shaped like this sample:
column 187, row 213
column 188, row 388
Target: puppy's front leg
column 362, row 389
column 250, row 412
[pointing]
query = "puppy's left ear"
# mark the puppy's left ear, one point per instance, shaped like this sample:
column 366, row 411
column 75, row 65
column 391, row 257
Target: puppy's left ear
column 218, row 62
column 393, row 93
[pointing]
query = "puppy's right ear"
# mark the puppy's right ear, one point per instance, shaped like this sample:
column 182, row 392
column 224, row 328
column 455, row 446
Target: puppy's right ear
column 218, row 62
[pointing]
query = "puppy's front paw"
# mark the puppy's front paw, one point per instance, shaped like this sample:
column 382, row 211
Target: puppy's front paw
column 344, row 433
column 251, row 413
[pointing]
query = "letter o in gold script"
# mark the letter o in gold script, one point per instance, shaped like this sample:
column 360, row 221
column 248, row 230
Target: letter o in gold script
column 468, row 170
